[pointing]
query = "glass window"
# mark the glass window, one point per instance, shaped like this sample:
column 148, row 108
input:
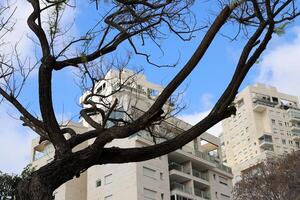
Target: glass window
column 98, row 183
column 108, row 197
column 108, row 179
column 149, row 172
column 149, row 194
column 161, row 176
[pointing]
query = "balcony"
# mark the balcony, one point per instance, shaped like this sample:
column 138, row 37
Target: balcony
column 224, row 168
column 205, row 156
column 200, row 175
column 181, row 187
column 260, row 104
column 296, row 136
column 295, row 128
column 178, row 167
column 266, row 142
column 201, row 193
column 294, row 114
column 212, row 160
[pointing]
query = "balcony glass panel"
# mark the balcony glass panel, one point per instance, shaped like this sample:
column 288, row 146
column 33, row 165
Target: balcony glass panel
column 181, row 187
column 200, row 175
column 201, row 193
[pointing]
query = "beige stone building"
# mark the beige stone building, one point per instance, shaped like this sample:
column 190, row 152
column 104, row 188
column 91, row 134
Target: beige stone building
column 267, row 123
column 194, row 172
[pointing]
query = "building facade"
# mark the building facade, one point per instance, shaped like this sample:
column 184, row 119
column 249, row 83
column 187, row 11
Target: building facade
column 267, row 123
column 194, row 172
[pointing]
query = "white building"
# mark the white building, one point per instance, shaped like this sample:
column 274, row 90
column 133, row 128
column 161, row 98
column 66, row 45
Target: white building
column 194, row 172
column 267, row 123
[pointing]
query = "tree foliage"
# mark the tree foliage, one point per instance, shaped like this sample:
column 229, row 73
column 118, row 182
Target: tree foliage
column 275, row 179
column 9, row 183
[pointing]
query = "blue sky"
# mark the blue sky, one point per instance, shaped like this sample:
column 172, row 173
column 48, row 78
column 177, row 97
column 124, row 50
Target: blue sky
column 279, row 66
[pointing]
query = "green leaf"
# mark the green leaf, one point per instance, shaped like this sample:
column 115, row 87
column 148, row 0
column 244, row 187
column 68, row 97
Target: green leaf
column 280, row 30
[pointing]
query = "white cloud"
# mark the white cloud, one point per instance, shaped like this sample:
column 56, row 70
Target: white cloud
column 197, row 117
column 15, row 143
column 15, row 140
column 20, row 30
column 206, row 102
column 280, row 66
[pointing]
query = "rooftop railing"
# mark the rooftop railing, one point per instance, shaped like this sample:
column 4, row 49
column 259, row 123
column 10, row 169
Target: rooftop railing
column 264, row 102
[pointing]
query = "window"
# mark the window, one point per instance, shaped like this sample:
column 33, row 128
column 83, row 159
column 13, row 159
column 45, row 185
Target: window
column 223, row 180
column 247, row 128
column 161, row 175
column 149, row 172
column 108, row 179
column 283, row 141
column 108, row 197
column 98, row 183
column 162, row 196
column 149, row 194
column 273, row 121
column 224, row 196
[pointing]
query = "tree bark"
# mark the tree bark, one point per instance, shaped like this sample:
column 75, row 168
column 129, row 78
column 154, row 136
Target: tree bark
column 35, row 187
column 42, row 183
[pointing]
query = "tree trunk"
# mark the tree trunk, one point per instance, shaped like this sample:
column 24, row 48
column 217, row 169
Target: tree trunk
column 35, row 188
column 41, row 184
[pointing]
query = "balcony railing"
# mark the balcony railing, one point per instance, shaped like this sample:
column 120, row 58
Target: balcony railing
column 265, row 140
column 264, row 102
column 181, row 187
column 205, row 156
column 198, row 154
column 201, row 193
column 212, row 160
column 178, row 167
column 224, row 168
column 296, row 135
column 200, row 175
column 294, row 113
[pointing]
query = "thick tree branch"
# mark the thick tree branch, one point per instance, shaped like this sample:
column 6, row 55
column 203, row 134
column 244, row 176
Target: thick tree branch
column 28, row 116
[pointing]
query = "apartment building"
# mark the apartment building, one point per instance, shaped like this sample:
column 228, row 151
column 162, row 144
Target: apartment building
column 267, row 123
column 194, row 172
